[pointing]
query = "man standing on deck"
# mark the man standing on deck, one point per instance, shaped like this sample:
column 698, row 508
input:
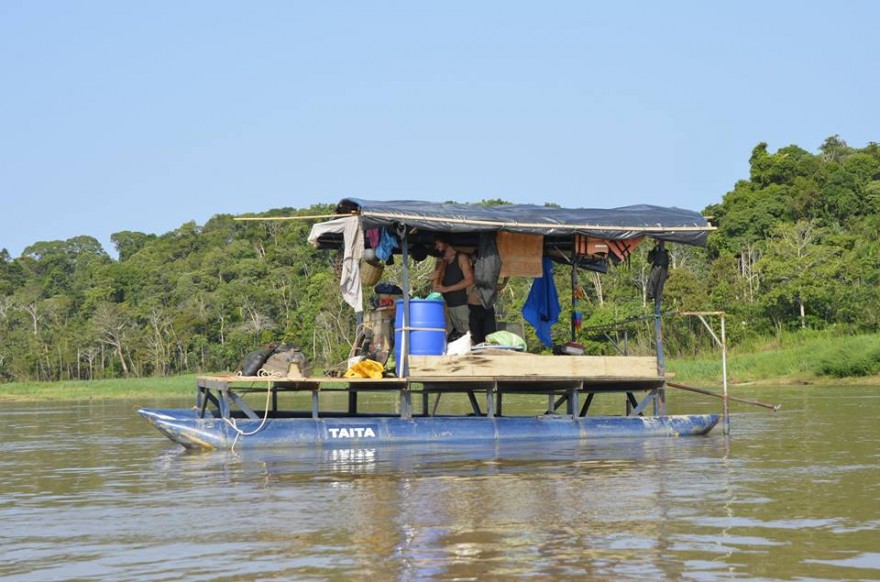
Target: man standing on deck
column 452, row 277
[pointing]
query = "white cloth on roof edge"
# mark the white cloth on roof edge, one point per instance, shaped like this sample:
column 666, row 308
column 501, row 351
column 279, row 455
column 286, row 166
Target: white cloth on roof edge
column 353, row 236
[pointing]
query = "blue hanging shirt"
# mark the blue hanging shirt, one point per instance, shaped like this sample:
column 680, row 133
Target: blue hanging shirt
column 387, row 244
column 542, row 309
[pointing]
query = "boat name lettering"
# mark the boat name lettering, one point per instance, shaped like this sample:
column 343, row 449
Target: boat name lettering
column 352, row 432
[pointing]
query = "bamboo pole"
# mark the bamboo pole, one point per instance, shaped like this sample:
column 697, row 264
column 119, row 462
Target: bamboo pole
column 722, row 343
column 773, row 407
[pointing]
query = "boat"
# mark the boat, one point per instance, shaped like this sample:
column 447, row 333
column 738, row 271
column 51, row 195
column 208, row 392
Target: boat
column 297, row 409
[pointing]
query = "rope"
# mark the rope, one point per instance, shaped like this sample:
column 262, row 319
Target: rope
column 240, row 433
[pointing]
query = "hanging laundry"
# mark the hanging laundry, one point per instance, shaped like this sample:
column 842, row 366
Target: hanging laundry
column 387, row 244
column 487, row 270
column 374, row 235
column 659, row 259
column 542, row 309
column 577, row 316
column 350, row 281
column 353, row 236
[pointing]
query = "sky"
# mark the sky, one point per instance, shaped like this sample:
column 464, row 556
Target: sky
column 143, row 116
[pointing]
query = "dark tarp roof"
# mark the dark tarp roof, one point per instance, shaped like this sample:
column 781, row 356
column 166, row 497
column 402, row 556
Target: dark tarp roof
column 657, row 222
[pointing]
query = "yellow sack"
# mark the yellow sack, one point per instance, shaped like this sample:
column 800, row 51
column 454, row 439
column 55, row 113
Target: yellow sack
column 365, row 369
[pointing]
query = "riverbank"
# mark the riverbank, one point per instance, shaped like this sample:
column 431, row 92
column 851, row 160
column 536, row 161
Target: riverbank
column 790, row 359
column 805, row 358
column 117, row 389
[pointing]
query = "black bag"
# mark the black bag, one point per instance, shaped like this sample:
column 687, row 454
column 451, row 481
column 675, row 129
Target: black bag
column 252, row 362
column 287, row 361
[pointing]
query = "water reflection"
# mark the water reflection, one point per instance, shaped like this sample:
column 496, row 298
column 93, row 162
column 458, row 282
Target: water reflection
column 465, row 510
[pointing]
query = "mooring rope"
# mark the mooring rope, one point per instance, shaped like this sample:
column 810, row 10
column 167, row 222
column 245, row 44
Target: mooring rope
column 240, row 433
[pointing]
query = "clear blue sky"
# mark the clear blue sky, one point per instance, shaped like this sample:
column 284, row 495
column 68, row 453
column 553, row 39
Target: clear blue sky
column 145, row 115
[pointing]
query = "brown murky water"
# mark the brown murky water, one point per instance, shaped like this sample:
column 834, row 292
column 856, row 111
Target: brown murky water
column 90, row 491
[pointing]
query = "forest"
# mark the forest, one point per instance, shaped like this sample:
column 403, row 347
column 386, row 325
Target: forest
column 796, row 248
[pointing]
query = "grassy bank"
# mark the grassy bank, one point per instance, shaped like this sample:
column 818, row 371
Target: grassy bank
column 802, row 358
column 131, row 388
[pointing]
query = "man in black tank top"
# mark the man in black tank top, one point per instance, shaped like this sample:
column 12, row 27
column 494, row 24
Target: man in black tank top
column 453, row 276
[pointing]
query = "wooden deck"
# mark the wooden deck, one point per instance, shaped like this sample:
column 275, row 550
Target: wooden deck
column 505, row 371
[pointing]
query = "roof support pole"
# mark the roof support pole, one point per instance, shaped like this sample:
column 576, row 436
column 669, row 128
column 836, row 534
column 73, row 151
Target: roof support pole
column 726, row 407
column 660, row 394
column 404, row 324
column 574, row 286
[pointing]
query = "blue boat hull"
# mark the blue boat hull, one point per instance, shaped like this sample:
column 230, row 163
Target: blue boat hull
column 186, row 428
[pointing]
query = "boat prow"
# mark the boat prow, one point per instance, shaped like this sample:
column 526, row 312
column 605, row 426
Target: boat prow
column 184, row 427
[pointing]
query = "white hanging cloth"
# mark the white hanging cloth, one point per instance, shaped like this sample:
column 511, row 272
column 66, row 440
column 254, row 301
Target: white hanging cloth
column 353, row 236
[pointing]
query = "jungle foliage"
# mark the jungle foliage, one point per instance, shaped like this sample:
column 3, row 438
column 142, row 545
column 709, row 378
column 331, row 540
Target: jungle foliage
column 796, row 248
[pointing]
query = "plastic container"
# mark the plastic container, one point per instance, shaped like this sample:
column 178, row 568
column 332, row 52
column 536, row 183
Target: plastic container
column 427, row 325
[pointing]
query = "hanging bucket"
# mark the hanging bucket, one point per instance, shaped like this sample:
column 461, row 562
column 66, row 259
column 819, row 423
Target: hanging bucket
column 370, row 273
column 427, row 329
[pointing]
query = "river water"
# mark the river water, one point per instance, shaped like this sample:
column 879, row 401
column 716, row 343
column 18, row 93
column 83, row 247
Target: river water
column 89, row 491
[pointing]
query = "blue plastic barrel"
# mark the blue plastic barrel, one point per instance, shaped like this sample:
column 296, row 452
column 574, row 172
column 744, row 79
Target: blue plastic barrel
column 427, row 324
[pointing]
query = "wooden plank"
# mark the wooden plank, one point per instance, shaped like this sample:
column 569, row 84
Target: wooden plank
column 529, row 366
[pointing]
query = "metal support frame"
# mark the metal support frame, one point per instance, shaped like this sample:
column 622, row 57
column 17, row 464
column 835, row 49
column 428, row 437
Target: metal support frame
column 205, row 396
column 641, row 406
column 436, row 404
column 631, row 403
column 223, row 403
column 471, row 393
column 406, row 403
column 220, row 397
column 352, row 401
column 587, row 403
column 573, row 401
column 242, row 405
column 553, row 405
column 474, row 404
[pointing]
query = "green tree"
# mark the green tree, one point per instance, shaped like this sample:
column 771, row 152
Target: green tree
column 796, row 269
